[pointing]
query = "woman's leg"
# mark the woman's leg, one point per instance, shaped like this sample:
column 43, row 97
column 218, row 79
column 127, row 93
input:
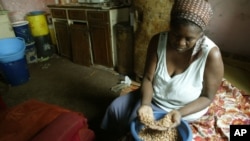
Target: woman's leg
column 121, row 112
column 116, row 118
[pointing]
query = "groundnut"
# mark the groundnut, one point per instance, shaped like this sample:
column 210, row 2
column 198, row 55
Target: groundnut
column 147, row 134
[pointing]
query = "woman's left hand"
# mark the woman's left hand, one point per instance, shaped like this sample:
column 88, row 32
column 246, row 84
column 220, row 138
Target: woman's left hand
column 175, row 117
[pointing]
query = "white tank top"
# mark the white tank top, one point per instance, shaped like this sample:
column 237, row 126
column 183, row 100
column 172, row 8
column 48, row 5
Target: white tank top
column 174, row 93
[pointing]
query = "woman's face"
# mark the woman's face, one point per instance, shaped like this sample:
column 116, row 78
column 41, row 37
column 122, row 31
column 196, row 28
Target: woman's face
column 184, row 37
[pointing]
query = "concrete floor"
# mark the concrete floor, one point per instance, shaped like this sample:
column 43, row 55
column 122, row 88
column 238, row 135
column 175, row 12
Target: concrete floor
column 61, row 82
column 83, row 89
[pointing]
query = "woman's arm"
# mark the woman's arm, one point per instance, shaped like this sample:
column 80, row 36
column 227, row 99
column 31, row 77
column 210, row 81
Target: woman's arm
column 213, row 75
column 150, row 66
column 145, row 112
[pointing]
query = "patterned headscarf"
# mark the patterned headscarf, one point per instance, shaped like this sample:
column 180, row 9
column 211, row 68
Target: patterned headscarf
column 197, row 11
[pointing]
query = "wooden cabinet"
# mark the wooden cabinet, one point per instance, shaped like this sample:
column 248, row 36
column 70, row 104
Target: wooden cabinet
column 80, row 44
column 99, row 27
column 86, row 35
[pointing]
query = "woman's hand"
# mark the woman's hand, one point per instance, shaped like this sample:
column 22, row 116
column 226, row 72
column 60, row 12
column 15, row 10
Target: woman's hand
column 170, row 120
column 145, row 114
column 175, row 117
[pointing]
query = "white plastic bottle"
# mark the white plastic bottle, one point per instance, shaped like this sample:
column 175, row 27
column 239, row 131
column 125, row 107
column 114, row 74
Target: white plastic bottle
column 56, row 1
column 67, row 1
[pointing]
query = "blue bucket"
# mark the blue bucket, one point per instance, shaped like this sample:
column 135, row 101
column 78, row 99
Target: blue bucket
column 21, row 29
column 11, row 49
column 16, row 72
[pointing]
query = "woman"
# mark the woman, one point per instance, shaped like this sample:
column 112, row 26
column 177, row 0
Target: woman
column 183, row 71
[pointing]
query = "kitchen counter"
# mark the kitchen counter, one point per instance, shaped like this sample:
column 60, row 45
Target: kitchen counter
column 87, row 5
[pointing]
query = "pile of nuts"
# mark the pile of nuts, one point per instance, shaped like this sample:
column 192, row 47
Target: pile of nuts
column 148, row 134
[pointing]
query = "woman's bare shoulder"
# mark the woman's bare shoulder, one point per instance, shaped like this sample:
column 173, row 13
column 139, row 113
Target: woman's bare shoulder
column 214, row 54
column 154, row 41
column 214, row 61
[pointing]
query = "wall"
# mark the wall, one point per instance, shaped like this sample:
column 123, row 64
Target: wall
column 1, row 7
column 19, row 8
column 148, row 22
column 230, row 26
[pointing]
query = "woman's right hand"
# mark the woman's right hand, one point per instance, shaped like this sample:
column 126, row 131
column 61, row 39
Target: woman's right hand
column 145, row 114
column 146, row 117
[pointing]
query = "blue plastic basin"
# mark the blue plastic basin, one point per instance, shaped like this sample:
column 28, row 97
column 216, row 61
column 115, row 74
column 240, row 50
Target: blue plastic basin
column 184, row 129
column 11, row 49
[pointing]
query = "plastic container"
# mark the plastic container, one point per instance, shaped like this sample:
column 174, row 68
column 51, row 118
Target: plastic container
column 6, row 29
column 30, row 53
column 38, row 23
column 184, row 129
column 15, row 72
column 11, row 49
column 21, row 29
column 56, row 1
column 44, row 47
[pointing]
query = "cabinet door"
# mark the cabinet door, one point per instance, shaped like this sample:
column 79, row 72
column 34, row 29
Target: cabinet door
column 101, row 44
column 80, row 44
column 63, row 39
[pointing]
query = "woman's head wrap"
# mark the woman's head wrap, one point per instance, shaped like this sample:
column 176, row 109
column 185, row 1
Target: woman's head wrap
column 197, row 11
